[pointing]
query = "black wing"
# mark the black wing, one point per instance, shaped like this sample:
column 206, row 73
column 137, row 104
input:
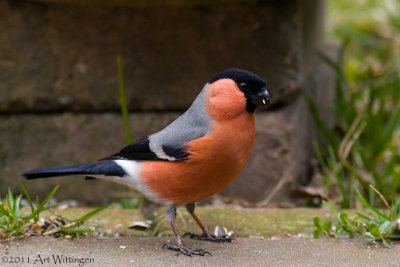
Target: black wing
column 140, row 150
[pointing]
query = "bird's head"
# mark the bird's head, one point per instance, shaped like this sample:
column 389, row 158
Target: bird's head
column 249, row 84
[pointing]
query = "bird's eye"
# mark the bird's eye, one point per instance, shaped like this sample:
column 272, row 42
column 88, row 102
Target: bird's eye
column 243, row 85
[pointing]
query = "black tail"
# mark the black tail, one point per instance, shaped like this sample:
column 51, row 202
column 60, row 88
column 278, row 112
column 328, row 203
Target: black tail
column 108, row 168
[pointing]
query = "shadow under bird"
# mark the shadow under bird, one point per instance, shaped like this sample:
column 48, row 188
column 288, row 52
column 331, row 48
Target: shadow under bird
column 191, row 159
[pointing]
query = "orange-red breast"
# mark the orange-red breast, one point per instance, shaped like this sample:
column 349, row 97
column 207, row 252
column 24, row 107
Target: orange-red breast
column 191, row 159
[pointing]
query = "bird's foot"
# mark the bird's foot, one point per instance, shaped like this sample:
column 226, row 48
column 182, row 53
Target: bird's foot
column 186, row 251
column 209, row 237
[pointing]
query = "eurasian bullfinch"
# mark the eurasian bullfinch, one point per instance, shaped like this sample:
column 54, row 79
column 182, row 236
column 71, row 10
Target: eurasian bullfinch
column 191, row 159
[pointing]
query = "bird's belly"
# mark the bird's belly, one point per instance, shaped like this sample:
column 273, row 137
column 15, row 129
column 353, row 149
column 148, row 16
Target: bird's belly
column 213, row 164
column 183, row 183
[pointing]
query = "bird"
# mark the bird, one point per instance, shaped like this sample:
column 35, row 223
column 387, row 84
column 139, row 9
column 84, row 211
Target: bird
column 192, row 158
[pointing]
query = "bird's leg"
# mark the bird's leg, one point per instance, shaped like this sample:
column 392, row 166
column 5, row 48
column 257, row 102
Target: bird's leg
column 207, row 236
column 171, row 216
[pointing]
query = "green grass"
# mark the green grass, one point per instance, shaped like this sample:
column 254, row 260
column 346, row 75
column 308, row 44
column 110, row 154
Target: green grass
column 364, row 146
column 124, row 105
column 13, row 223
column 377, row 225
column 360, row 156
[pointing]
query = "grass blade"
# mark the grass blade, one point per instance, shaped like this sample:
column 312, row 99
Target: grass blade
column 10, row 202
column 28, row 197
column 75, row 230
column 365, row 217
column 3, row 211
column 330, row 135
column 89, row 215
column 40, row 207
column 124, row 107
column 17, row 206
column 377, row 214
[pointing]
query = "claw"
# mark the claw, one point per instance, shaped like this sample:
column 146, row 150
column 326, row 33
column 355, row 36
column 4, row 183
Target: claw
column 210, row 237
column 191, row 235
column 206, row 252
column 186, row 251
column 166, row 245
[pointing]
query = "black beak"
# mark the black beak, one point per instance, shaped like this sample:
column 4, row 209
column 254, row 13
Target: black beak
column 262, row 98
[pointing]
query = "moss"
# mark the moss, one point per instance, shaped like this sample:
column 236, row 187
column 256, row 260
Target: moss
column 244, row 222
column 113, row 221
column 257, row 222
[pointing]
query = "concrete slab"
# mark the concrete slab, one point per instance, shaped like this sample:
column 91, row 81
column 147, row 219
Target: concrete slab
column 147, row 251
column 266, row 237
column 57, row 57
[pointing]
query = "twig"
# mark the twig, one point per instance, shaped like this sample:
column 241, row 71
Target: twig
column 384, row 201
column 285, row 178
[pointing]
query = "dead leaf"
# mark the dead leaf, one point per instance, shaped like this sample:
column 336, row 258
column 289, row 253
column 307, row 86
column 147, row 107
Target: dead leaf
column 140, row 225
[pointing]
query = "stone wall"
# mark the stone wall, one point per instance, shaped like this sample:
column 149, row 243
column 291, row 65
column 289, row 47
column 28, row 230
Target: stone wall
column 59, row 100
